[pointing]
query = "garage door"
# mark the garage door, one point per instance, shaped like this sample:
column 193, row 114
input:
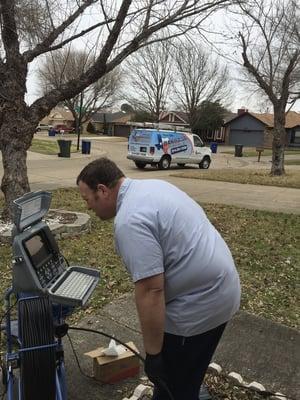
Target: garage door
column 247, row 138
column 122, row 130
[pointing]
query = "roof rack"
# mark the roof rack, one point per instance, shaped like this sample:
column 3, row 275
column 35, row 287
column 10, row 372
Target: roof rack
column 159, row 126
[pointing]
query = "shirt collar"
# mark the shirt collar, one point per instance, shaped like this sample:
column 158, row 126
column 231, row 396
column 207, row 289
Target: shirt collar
column 122, row 191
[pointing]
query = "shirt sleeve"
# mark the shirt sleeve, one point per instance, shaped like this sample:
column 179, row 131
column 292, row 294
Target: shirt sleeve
column 139, row 249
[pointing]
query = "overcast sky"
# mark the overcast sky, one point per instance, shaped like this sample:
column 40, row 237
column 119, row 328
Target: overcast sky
column 216, row 30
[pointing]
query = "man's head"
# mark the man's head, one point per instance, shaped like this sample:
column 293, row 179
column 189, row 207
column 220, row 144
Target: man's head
column 99, row 183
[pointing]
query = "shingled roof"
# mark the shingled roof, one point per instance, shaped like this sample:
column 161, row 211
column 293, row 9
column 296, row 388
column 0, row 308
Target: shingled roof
column 292, row 118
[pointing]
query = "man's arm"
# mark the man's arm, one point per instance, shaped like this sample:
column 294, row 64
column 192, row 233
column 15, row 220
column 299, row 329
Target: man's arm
column 150, row 303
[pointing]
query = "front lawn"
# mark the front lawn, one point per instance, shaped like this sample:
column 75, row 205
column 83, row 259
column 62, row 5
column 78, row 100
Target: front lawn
column 265, row 246
column 255, row 177
column 48, row 147
column 251, row 152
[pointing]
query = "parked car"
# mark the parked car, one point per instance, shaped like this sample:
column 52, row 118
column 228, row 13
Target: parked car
column 61, row 128
column 43, row 127
column 161, row 148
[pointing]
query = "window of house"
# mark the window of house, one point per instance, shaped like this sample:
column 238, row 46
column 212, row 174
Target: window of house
column 297, row 136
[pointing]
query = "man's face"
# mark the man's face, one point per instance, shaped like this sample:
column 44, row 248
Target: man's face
column 100, row 200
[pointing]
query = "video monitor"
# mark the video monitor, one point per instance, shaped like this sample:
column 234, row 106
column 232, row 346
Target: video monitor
column 37, row 250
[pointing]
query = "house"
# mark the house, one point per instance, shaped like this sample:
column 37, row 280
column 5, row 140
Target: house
column 175, row 118
column 111, row 124
column 255, row 130
column 180, row 119
column 59, row 116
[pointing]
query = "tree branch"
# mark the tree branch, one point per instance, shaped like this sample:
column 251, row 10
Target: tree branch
column 9, row 30
column 43, row 47
column 254, row 72
column 102, row 66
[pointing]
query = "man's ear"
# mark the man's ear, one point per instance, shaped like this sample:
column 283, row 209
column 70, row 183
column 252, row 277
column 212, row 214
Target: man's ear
column 102, row 188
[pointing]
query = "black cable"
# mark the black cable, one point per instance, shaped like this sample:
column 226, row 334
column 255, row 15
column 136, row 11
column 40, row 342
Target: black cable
column 264, row 393
column 5, row 314
column 77, row 360
column 110, row 337
column 37, row 366
column 160, row 382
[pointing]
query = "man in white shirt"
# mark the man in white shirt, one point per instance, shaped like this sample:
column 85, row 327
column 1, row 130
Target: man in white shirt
column 186, row 284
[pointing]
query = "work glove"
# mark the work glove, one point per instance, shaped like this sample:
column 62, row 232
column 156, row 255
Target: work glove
column 154, row 368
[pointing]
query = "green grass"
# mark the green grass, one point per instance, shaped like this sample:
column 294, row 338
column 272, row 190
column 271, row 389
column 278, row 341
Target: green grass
column 253, row 153
column 254, row 177
column 292, row 162
column 47, row 147
column 264, row 246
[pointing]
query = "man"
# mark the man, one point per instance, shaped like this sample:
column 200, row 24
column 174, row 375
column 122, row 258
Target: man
column 186, row 284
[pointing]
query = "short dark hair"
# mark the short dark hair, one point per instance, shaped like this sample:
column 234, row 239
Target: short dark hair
column 103, row 171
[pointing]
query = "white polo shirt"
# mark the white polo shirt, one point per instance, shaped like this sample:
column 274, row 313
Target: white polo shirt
column 160, row 229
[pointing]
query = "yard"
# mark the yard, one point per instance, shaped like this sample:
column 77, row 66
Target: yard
column 49, row 147
column 255, row 177
column 251, row 152
column 264, row 246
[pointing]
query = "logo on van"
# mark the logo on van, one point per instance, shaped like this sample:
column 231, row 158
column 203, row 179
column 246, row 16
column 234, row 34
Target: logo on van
column 178, row 149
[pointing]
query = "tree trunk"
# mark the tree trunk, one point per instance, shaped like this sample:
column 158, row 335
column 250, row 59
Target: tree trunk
column 15, row 181
column 278, row 145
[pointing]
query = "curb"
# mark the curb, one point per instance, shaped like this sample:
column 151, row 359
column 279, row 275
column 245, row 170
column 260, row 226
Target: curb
column 142, row 390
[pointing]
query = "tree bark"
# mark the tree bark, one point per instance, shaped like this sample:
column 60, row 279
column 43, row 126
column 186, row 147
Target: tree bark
column 278, row 145
column 15, row 181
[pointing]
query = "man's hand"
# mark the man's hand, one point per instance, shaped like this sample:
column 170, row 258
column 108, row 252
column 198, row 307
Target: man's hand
column 154, row 369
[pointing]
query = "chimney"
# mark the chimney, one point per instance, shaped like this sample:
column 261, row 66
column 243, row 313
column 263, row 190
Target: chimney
column 241, row 111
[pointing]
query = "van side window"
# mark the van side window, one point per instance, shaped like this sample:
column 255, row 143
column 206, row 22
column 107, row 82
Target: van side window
column 197, row 141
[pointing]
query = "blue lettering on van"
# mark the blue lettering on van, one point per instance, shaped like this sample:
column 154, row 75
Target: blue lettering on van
column 179, row 149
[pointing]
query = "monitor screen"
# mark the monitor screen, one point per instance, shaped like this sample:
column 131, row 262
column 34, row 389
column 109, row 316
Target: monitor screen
column 37, row 250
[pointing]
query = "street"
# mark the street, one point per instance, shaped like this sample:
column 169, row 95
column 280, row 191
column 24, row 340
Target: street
column 50, row 172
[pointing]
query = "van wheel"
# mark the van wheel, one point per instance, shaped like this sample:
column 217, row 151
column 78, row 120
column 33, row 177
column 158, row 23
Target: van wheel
column 164, row 163
column 181, row 165
column 205, row 163
column 140, row 165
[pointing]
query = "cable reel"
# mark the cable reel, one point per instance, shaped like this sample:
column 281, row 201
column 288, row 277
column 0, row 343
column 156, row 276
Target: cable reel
column 37, row 349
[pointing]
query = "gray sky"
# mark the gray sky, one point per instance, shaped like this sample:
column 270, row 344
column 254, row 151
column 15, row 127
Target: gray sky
column 216, row 29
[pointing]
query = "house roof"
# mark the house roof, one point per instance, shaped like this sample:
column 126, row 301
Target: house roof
column 61, row 113
column 292, row 118
column 109, row 117
column 183, row 116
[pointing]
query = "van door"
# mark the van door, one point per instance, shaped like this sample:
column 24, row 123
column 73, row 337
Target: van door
column 199, row 151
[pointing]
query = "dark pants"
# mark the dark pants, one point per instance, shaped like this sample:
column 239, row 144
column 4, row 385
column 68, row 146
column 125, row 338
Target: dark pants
column 186, row 360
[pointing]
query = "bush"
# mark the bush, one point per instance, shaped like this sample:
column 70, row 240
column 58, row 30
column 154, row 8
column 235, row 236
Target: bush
column 90, row 128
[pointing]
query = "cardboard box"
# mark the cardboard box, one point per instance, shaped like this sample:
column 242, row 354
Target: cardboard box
column 110, row 369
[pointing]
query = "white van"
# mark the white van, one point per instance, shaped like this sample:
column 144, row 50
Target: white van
column 162, row 148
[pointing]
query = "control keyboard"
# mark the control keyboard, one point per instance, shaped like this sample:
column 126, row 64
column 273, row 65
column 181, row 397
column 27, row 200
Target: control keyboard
column 74, row 286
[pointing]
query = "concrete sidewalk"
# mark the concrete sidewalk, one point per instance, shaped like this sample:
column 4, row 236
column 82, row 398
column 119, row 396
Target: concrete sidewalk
column 256, row 348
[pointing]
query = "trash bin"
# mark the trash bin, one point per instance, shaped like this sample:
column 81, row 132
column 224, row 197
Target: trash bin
column 213, row 147
column 64, row 148
column 51, row 132
column 85, row 146
column 238, row 150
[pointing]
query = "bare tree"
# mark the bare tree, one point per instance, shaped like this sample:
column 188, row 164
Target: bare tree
column 199, row 78
column 70, row 64
column 269, row 38
column 149, row 73
column 120, row 27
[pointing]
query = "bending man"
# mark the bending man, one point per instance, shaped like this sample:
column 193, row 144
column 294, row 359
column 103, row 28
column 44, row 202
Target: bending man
column 186, row 284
